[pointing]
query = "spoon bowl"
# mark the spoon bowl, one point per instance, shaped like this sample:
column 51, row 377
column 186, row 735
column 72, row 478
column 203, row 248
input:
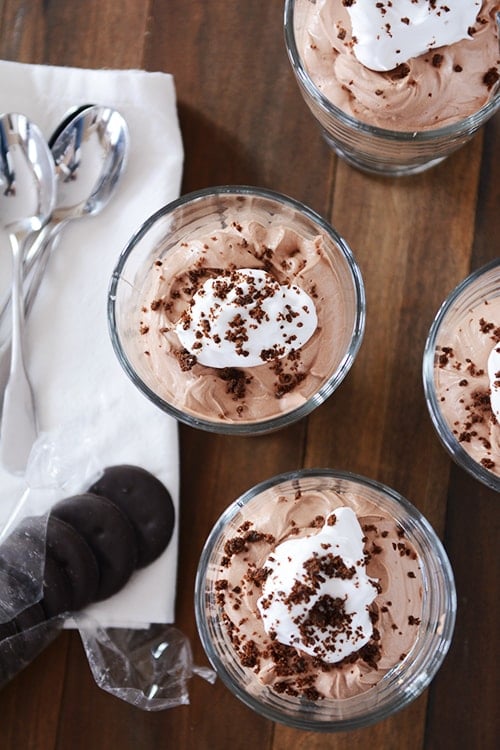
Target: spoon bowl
column 27, row 194
column 90, row 153
column 27, row 177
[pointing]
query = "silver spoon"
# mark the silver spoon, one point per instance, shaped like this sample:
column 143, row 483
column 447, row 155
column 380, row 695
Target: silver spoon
column 91, row 144
column 27, row 192
column 28, row 262
column 90, row 154
column 54, row 143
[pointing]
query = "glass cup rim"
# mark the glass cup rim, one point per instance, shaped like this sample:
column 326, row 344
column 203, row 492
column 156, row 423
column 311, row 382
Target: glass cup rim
column 466, row 125
column 379, row 711
column 452, row 445
column 335, row 378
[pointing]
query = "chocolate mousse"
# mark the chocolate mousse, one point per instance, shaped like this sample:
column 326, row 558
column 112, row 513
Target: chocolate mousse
column 245, row 322
column 406, row 65
column 467, row 382
column 320, row 593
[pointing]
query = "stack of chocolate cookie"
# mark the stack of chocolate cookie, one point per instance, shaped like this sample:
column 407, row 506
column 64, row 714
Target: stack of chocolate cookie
column 92, row 543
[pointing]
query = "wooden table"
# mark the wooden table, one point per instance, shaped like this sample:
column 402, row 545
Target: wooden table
column 243, row 121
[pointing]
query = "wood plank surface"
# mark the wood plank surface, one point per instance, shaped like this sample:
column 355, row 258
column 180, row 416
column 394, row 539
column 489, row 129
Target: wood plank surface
column 244, row 122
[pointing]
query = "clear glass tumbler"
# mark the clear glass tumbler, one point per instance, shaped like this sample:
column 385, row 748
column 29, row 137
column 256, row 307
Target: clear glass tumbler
column 369, row 148
column 455, row 374
column 260, row 509
column 174, row 239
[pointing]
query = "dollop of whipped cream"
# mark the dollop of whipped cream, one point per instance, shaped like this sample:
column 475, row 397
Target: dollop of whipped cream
column 494, row 377
column 317, row 593
column 390, row 33
column 246, row 318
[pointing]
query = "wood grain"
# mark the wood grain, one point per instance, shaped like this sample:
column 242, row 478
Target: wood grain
column 244, row 122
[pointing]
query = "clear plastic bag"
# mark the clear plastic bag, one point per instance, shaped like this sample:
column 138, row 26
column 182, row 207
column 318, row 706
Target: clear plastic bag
column 58, row 466
column 148, row 668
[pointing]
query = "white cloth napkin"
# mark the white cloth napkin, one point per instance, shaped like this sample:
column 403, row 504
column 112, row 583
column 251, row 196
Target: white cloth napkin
column 90, row 414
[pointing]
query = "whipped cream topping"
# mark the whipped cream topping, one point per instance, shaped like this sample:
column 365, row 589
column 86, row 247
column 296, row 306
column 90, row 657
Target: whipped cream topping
column 386, row 34
column 246, row 318
column 494, row 376
column 317, row 593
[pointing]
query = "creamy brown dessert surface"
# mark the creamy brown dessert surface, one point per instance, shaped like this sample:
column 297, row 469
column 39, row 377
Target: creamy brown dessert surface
column 395, row 613
column 429, row 91
column 463, row 385
column 245, row 394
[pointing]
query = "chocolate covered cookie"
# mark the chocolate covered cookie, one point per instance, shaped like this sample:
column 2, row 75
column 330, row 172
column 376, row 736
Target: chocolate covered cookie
column 23, row 550
column 32, row 633
column 74, row 555
column 22, row 567
column 18, row 642
column 24, row 636
column 7, row 629
column 23, row 557
column 29, row 617
column 57, row 594
column 109, row 534
column 145, row 501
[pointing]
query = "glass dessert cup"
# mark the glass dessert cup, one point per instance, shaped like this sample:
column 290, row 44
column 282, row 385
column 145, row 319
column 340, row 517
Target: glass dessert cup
column 481, row 285
column 369, row 148
column 399, row 685
column 192, row 218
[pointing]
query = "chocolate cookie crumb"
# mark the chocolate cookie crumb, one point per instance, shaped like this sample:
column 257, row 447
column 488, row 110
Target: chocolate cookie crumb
column 236, row 382
column 490, row 78
column 185, row 359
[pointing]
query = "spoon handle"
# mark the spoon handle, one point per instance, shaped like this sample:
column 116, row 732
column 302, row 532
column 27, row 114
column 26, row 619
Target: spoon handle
column 18, row 430
column 5, row 349
column 34, row 266
column 45, row 243
column 33, row 250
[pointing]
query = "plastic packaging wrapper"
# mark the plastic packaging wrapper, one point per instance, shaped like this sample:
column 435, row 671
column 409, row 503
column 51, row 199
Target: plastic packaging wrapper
column 21, row 567
column 147, row 668
column 19, row 650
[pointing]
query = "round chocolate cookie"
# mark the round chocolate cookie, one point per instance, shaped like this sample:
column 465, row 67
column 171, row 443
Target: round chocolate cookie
column 33, row 627
column 145, row 501
column 23, row 550
column 7, row 629
column 33, row 632
column 109, row 534
column 30, row 617
column 57, row 595
column 17, row 591
column 73, row 554
column 25, row 620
